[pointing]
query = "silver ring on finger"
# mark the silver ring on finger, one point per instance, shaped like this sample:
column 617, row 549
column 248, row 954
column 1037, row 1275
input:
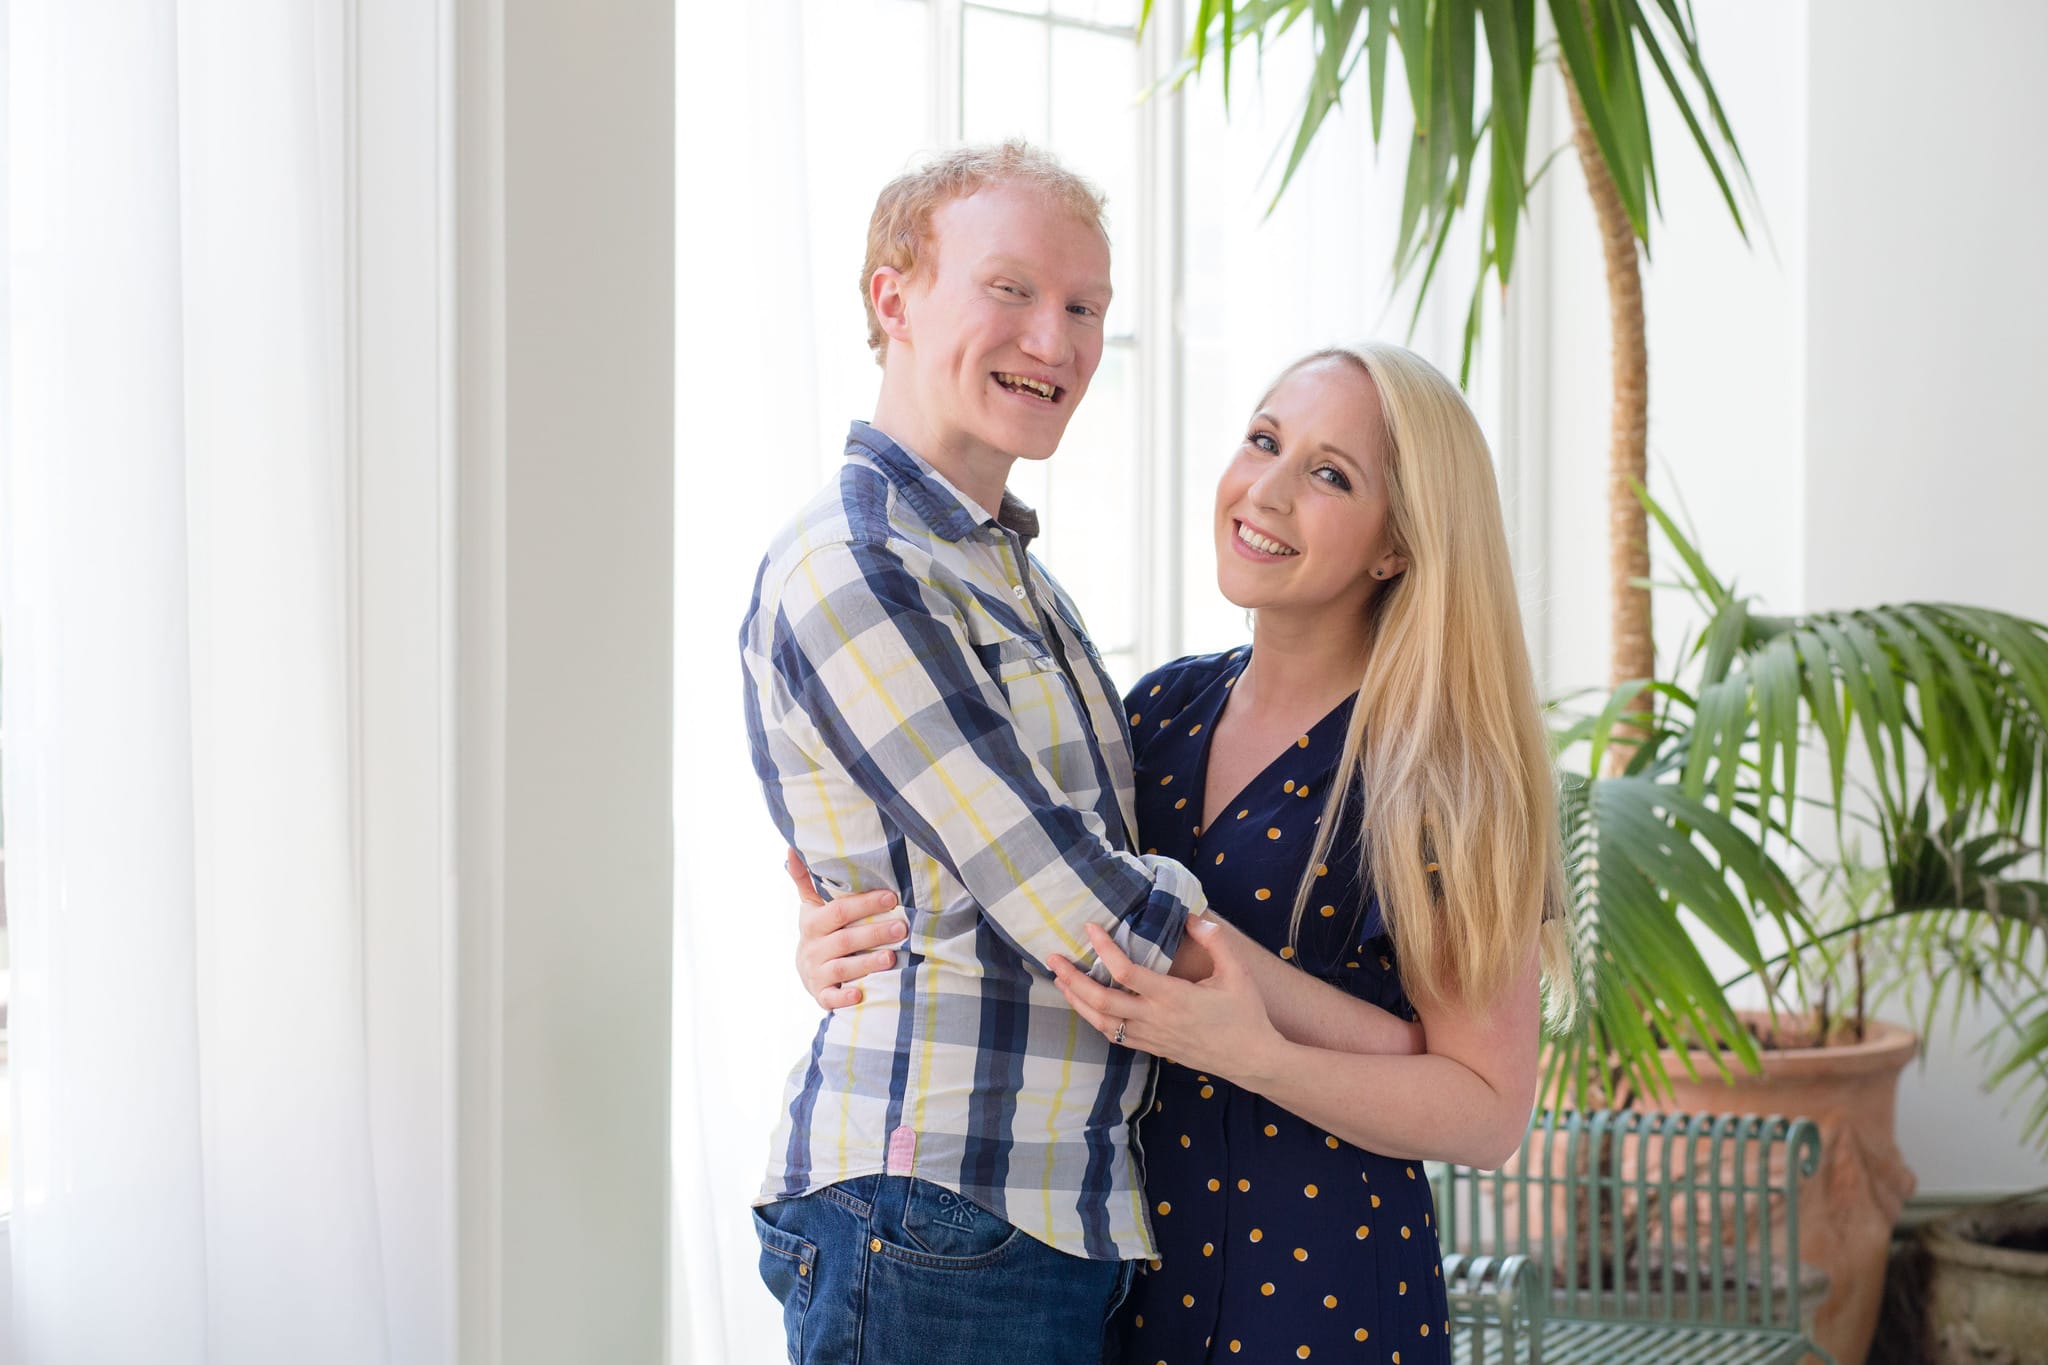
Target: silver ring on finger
column 1119, row 1039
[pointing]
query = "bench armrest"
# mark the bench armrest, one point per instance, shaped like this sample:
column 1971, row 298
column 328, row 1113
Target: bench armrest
column 1504, row 1293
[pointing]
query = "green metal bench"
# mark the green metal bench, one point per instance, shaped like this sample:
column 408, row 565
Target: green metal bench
column 1631, row 1236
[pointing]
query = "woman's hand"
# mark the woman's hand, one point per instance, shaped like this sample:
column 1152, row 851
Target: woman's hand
column 834, row 948
column 1218, row 1024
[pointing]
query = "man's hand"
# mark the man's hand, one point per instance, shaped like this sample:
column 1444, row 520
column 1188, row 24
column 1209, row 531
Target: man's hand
column 834, row 948
column 1217, row 1024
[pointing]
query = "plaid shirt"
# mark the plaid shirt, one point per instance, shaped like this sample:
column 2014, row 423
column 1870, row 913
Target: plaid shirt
column 927, row 714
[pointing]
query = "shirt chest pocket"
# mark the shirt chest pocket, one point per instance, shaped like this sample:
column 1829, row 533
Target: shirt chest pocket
column 1041, row 703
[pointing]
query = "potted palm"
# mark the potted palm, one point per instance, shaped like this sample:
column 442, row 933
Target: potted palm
column 1922, row 726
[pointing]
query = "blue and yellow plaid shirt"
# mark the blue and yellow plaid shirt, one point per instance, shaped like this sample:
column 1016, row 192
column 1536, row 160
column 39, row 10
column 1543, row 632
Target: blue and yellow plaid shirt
column 927, row 714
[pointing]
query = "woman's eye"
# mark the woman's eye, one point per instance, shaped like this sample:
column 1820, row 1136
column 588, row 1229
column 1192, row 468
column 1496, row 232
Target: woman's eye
column 1265, row 442
column 1336, row 477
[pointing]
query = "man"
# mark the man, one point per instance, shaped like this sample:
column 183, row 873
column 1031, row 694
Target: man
column 953, row 1177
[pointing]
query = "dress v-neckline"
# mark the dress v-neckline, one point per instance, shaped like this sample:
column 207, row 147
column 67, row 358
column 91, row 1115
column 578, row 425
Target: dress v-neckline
column 1207, row 742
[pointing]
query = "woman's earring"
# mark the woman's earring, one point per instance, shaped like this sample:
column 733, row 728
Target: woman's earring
column 1379, row 573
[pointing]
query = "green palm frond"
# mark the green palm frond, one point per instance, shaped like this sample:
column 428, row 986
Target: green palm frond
column 1470, row 144
column 1930, row 721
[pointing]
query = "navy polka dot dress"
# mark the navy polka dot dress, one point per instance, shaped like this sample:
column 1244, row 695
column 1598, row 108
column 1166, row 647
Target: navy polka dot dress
column 1277, row 1241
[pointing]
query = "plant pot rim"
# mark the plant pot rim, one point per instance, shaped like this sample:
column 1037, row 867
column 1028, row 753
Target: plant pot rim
column 1953, row 1239
column 1885, row 1047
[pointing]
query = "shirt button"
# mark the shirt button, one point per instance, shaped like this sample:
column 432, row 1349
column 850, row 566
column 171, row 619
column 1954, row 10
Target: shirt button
column 1018, row 592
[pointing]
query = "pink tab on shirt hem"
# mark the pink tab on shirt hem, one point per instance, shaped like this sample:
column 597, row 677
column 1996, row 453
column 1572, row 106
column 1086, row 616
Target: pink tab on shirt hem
column 902, row 1151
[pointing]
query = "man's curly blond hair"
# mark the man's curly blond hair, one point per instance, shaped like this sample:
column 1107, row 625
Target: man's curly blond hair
column 900, row 230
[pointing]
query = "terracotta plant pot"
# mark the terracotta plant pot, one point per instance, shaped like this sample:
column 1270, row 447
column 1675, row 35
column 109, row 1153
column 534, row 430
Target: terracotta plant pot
column 1987, row 1286
column 1848, row 1208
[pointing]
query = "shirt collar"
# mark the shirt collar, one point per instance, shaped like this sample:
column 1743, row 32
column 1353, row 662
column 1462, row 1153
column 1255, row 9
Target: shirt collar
column 947, row 510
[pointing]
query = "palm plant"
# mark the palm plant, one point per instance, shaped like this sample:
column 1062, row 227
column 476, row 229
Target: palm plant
column 1462, row 156
column 1930, row 724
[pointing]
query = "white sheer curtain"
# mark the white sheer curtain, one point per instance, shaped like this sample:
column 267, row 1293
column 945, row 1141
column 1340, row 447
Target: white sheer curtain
column 193, row 1177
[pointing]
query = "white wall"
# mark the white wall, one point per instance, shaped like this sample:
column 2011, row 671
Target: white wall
column 1927, row 331
column 565, row 258
column 1803, row 388
column 1725, row 331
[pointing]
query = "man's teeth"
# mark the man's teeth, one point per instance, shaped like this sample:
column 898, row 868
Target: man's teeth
column 1035, row 386
column 1259, row 542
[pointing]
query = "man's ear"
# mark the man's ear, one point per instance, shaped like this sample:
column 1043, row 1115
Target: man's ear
column 889, row 292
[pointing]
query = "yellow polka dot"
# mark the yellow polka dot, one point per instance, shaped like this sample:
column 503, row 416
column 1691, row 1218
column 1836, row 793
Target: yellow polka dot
column 1404, row 1234
column 1183, row 1139
column 1241, row 814
column 1195, row 729
column 1155, row 689
column 1236, row 1346
column 1208, row 1248
column 1287, row 952
column 1404, row 1286
column 1141, row 1320
column 1384, row 964
column 1188, row 1301
column 1267, row 1289
column 1156, row 1264
column 1151, row 850
column 1328, row 911
column 1135, row 718
column 1244, row 1186
column 1411, row 1172
column 1360, row 1335
column 1198, row 831
column 1258, row 1236
column 1230, row 682
column 1164, row 781
column 1301, row 791
column 1273, row 833
column 1180, row 803
column 1200, row 1077
column 1351, row 964
column 1301, row 1253
column 1375, row 1201
column 1309, row 1190
column 1214, row 1185
column 1397, row 1358
column 1363, row 1232
column 1425, row 1329
column 1288, row 785
column 1272, row 1131
column 1164, row 1208
column 1164, row 723
column 1301, row 1351
column 1208, row 1091
column 1301, row 743
column 1264, row 893
column 1329, row 1300
column 1322, row 869
column 1331, row 1143
column 1219, row 857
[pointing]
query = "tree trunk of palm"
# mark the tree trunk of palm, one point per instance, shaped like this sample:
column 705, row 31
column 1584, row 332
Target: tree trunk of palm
column 1628, row 538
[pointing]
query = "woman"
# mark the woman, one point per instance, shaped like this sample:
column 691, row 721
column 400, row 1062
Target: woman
column 1384, row 708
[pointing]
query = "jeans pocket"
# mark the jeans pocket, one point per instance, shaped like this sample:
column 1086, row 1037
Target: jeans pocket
column 940, row 1223
column 788, row 1265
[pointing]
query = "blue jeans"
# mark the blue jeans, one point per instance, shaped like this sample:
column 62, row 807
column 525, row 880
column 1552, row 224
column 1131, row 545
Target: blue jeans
column 892, row 1270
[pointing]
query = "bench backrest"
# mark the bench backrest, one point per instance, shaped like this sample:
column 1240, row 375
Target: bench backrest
column 1679, row 1218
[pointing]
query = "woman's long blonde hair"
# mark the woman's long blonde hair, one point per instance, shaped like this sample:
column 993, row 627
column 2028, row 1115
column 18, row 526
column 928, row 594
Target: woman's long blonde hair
column 1447, row 748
